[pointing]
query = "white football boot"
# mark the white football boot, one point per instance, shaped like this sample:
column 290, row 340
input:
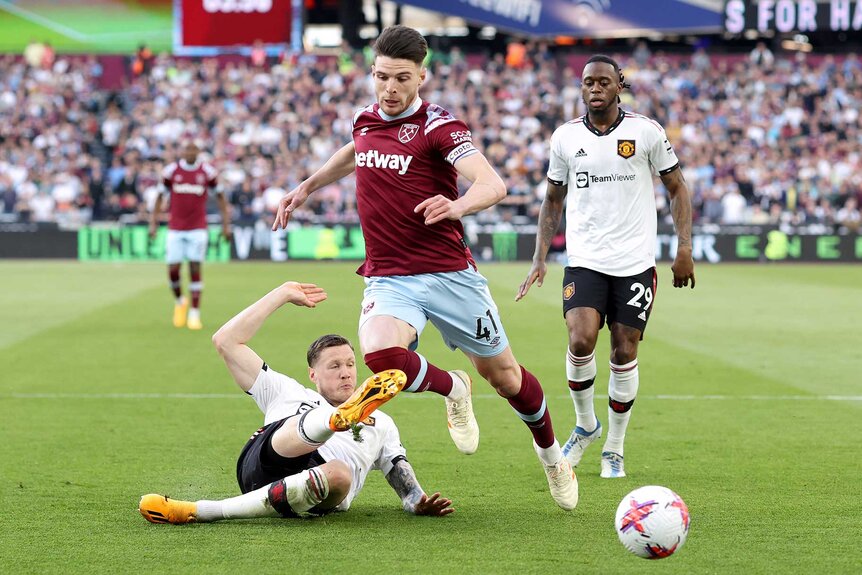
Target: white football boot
column 578, row 441
column 563, row 483
column 612, row 465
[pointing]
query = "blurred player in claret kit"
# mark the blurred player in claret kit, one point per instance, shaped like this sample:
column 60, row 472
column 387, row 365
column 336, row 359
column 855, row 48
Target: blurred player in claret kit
column 187, row 183
column 407, row 155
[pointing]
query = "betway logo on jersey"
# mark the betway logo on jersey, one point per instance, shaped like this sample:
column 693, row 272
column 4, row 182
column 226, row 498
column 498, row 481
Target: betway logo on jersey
column 374, row 159
column 584, row 179
column 196, row 189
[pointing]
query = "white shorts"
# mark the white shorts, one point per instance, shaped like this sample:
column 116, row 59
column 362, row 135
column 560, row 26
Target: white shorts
column 459, row 305
column 188, row 245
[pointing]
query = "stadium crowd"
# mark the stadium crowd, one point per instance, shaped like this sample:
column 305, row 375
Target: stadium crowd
column 762, row 139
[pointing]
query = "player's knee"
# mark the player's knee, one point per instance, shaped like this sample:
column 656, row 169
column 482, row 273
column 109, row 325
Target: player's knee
column 339, row 477
column 505, row 379
column 389, row 358
column 623, row 353
column 581, row 345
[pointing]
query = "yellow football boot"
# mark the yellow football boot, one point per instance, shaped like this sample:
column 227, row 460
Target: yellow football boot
column 181, row 310
column 163, row 509
column 374, row 392
column 194, row 322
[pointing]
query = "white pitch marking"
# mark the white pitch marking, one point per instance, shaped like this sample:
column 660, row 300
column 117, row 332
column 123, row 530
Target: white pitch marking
column 47, row 23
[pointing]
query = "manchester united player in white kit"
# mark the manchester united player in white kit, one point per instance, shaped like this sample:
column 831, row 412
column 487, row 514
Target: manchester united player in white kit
column 604, row 162
column 407, row 155
column 188, row 182
column 316, row 448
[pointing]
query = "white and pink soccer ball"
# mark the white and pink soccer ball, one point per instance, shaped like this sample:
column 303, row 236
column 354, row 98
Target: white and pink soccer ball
column 652, row 522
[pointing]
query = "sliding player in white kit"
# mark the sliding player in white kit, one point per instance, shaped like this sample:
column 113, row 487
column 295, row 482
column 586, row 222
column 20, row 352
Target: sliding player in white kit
column 604, row 162
column 315, row 449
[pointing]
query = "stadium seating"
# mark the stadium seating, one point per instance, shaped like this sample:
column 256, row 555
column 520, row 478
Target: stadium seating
column 759, row 144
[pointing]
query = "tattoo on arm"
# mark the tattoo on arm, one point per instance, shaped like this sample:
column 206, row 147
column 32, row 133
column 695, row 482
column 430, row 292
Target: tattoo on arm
column 549, row 217
column 680, row 205
column 403, row 480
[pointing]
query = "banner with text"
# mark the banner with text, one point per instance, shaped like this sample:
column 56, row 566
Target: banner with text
column 132, row 243
column 792, row 16
column 203, row 27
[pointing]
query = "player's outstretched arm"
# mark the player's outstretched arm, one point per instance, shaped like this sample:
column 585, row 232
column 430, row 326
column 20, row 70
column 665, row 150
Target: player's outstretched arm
column 224, row 209
column 680, row 209
column 342, row 163
column 549, row 222
column 403, row 480
column 487, row 189
column 232, row 338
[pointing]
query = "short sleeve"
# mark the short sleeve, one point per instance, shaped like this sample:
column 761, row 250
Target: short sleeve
column 452, row 138
column 167, row 175
column 662, row 158
column 211, row 175
column 270, row 384
column 391, row 452
column 558, row 169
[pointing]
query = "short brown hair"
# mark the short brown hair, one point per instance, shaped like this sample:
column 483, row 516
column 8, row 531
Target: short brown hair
column 403, row 43
column 323, row 342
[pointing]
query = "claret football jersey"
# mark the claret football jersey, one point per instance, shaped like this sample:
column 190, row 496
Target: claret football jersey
column 188, row 186
column 401, row 162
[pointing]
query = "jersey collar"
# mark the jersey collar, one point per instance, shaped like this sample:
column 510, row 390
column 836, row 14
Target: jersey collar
column 187, row 166
column 610, row 129
column 411, row 109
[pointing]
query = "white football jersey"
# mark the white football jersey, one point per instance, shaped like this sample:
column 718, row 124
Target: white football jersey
column 279, row 396
column 610, row 206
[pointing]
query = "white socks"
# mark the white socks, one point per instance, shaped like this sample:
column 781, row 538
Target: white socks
column 622, row 391
column 302, row 492
column 459, row 388
column 245, row 506
column 313, row 425
column 549, row 455
column 581, row 372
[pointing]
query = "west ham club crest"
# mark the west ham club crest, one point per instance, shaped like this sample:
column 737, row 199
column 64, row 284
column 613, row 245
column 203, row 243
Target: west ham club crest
column 407, row 132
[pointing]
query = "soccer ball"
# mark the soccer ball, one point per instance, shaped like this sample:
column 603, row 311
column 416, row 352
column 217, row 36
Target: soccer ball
column 652, row 522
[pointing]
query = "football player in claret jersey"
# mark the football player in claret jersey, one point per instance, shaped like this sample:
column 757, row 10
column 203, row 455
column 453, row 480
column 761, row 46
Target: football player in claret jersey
column 407, row 155
column 601, row 168
column 316, row 448
column 188, row 182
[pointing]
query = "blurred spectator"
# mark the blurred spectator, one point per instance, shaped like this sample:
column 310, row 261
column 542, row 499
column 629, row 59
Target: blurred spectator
column 48, row 56
column 761, row 56
column 142, row 63
column 642, row 54
column 782, row 146
column 33, row 53
column 257, row 57
column 700, row 60
column 848, row 216
column 732, row 205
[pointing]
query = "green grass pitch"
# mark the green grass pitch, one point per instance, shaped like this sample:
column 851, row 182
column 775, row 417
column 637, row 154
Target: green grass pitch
column 86, row 26
column 749, row 408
